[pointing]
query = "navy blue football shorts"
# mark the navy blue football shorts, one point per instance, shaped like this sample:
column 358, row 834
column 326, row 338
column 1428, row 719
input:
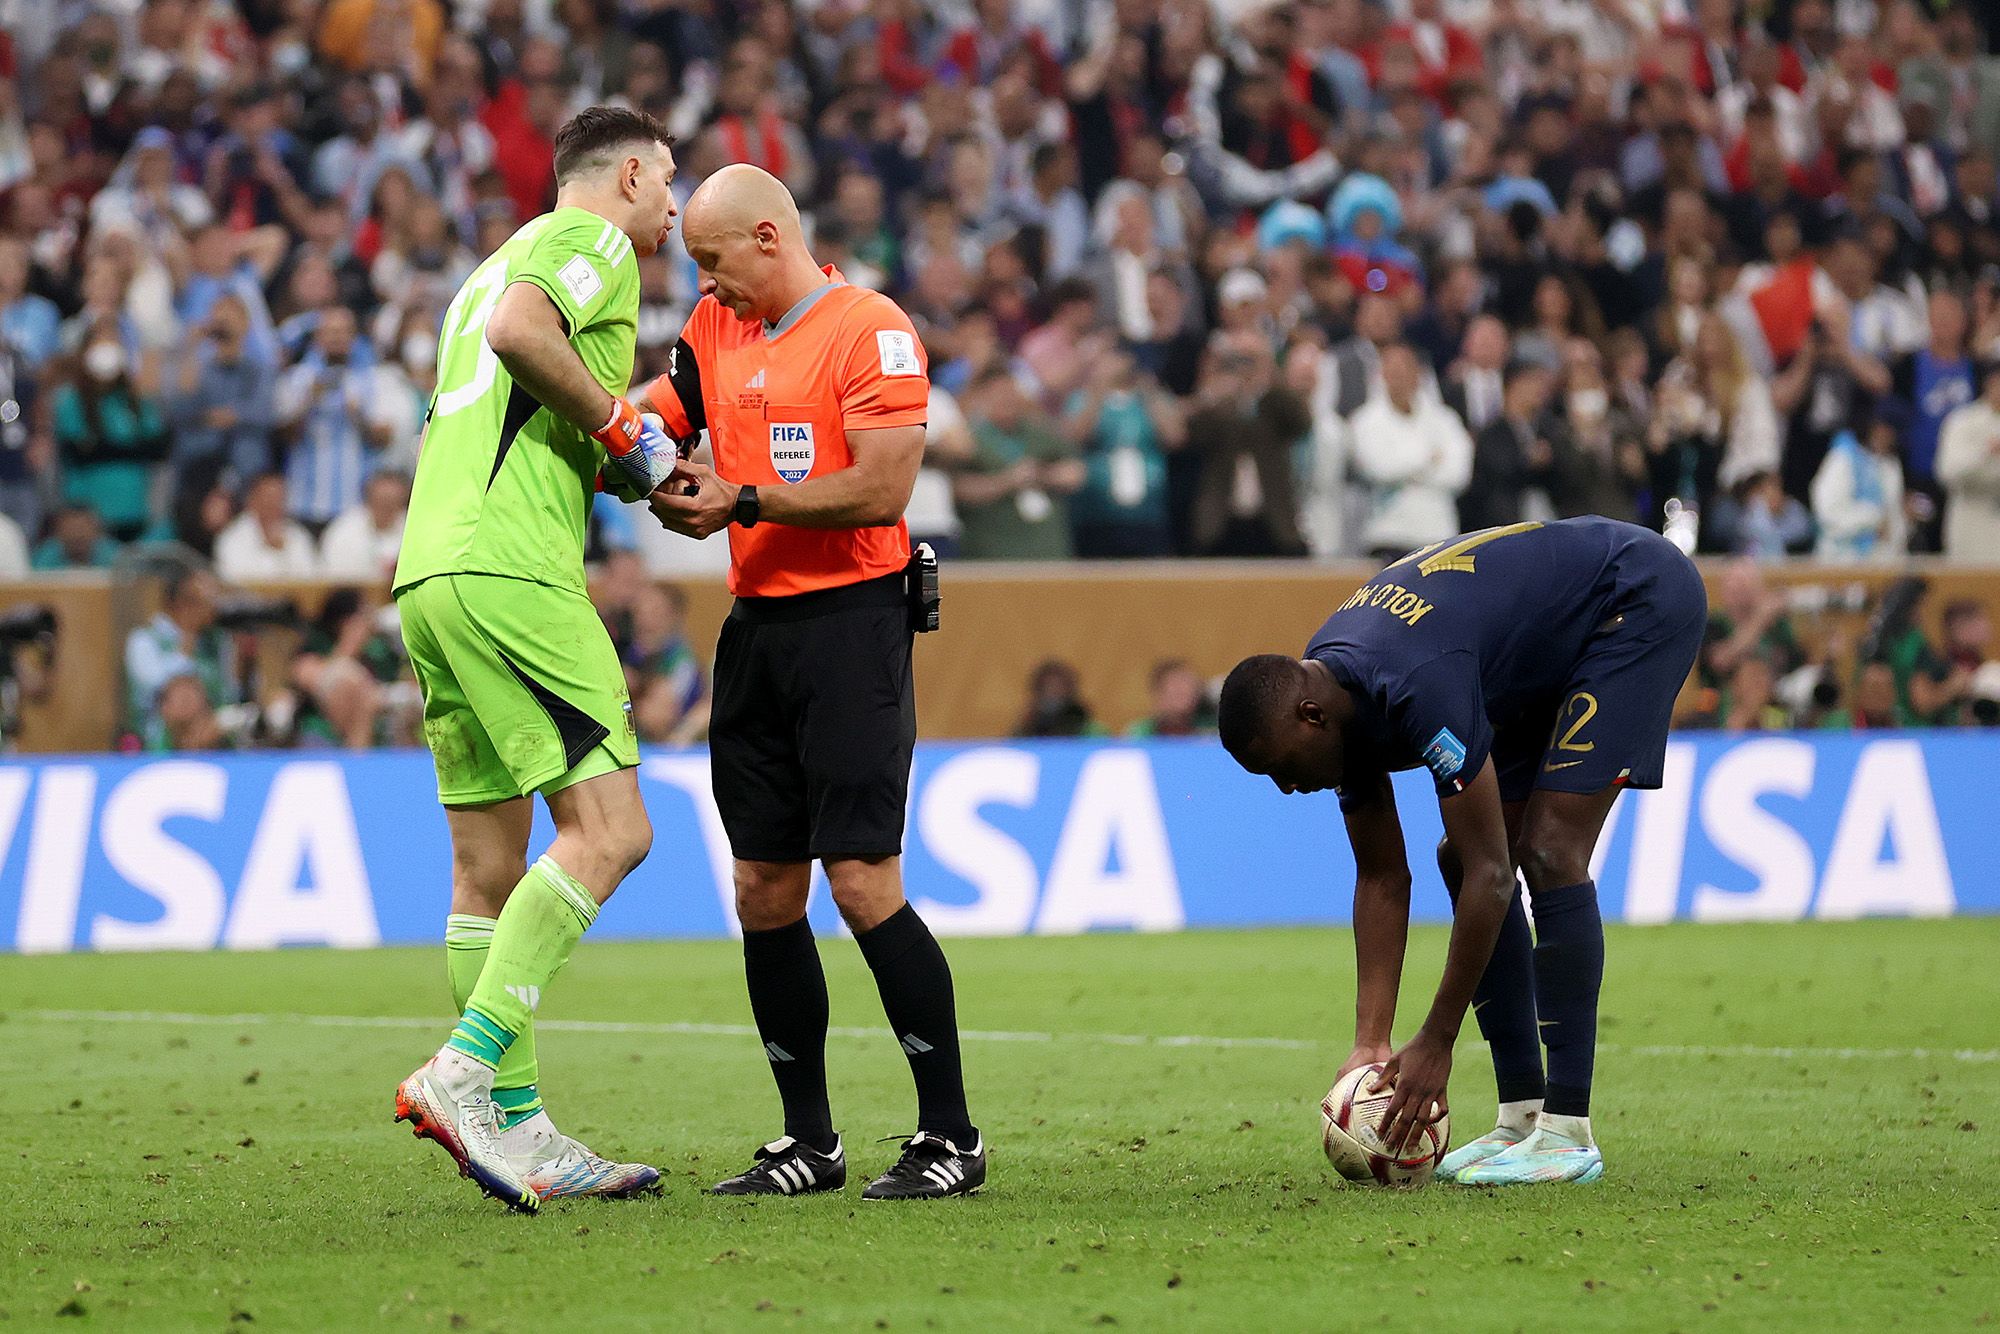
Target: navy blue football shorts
column 1608, row 727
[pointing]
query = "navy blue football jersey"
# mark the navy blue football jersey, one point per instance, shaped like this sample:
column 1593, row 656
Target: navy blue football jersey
column 1484, row 632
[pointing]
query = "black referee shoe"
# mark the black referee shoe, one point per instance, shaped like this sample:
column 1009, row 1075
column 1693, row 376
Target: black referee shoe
column 931, row 1168
column 787, row 1167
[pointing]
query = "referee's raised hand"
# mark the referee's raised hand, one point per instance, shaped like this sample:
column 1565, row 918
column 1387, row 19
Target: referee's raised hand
column 706, row 511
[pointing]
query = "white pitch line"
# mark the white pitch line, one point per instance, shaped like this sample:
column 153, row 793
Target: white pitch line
column 1966, row 1055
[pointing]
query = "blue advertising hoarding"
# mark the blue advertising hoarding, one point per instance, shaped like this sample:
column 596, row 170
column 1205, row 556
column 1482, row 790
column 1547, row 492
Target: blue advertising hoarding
column 1005, row 838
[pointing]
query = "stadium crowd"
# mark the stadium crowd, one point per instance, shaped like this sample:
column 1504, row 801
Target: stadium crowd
column 1196, row 277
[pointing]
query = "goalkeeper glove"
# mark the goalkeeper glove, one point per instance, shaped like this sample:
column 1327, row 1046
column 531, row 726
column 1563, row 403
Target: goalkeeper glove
column 636, row 447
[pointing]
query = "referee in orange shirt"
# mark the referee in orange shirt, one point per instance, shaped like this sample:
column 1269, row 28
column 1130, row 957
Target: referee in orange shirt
column 814, row 394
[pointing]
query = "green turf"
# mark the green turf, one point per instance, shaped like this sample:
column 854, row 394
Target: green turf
column 164, row 1174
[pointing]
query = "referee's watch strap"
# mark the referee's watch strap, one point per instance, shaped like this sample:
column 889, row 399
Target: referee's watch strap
column 748, row 509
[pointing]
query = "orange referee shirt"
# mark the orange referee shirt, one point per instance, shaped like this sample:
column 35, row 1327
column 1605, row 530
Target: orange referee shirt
column 778, row 405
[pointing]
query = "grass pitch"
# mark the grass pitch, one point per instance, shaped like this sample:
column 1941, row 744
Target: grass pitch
column 1801, row 1123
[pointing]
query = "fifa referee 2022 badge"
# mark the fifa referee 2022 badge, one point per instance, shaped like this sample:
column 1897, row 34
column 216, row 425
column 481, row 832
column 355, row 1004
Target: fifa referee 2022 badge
column 814, row 394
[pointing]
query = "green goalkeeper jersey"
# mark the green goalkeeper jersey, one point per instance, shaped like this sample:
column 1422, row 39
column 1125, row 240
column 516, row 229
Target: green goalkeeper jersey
column 503, row 485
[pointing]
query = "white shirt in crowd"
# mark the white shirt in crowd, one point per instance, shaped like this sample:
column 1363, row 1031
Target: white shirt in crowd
column 354, row 550
column 1754, row 444
column 13, row 551
column 931, row 512
column 1418, row 462
column 1968, row 466
column 244, row 556
column 1858, row 523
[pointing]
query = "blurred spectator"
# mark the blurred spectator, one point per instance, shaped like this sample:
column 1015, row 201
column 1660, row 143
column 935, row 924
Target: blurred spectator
column 1715, row 425
column 76, row 541
column 1180, row 703
column 1126, row 426
column 1562, row 311
column 205, row 505
column 346, row 165
column 1171, row 350
column 1055, row 704
column 1131, row 259
column 400, row 34
column 669, row 690
column 1875, row 707
column 1825, row 389
column 1417, row 457
column 1510, row 454
column 13, row 551
column 181, row 641
column 264, row 543
column 1475, row 385
column 1857, row 498
column 1600, row 462
column 1968, row 467
column 1968, row 647
column 1935, row 381
column 144, row 197
column 335, row 420
column 1063, row 347
column 1243, row 429
column 1929, row 686
column 1052, row 203
column 234, row 263
column 948, row 446
column 30, row 323
column 1357, row 361
column 361, row 545
column 1757, row 519
column 221, row 403
column 183, row 718
column 1748, row 702
column 109, row 435
column 1013, row 495
column 421, row 263
column 1366, row 219
column 1749, row 620
column 341, row 671
column 26, row 452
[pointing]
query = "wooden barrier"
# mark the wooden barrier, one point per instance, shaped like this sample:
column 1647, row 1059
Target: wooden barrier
column 1112, row 621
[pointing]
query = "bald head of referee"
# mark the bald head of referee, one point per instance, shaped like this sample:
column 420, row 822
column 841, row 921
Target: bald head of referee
column 742, row 227
column 814, row 394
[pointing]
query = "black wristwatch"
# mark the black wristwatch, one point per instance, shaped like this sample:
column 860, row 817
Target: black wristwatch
column 747, row 510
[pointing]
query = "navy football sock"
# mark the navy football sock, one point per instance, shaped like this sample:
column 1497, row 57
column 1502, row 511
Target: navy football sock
column 1504, row 1005
column 1569, row 973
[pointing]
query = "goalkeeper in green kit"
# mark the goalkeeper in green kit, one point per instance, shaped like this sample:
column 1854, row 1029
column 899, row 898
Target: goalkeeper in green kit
column 523, row 692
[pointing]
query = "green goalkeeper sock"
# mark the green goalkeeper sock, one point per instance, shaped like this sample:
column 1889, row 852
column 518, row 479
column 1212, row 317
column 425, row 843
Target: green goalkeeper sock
column 532, row 938
column 467, row 939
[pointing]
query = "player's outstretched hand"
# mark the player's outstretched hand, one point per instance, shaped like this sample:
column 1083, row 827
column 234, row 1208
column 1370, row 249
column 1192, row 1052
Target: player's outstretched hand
column 707, row 510
column 1419, row 1073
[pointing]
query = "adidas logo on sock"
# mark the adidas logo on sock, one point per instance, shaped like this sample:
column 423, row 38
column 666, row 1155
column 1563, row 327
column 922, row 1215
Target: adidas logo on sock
column 777, row 1053
column 528, row 996
column 913, row 1045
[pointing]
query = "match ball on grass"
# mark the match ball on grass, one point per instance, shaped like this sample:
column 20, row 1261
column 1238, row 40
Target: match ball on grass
column 1351, row 1119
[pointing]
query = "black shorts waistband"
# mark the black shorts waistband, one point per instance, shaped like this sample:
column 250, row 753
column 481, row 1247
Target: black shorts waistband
column 883, row 591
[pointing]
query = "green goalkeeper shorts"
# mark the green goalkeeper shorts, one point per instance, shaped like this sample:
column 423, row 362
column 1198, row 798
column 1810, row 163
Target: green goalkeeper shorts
column 523, row 691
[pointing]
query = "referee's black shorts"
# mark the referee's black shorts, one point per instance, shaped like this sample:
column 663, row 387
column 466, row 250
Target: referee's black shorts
column 813, row 723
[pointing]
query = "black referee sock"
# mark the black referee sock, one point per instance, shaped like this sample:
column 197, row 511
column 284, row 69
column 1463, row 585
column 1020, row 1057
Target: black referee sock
column 1504, row 1005
column 1569, row 972
column 788, row 997
column 915, row 982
